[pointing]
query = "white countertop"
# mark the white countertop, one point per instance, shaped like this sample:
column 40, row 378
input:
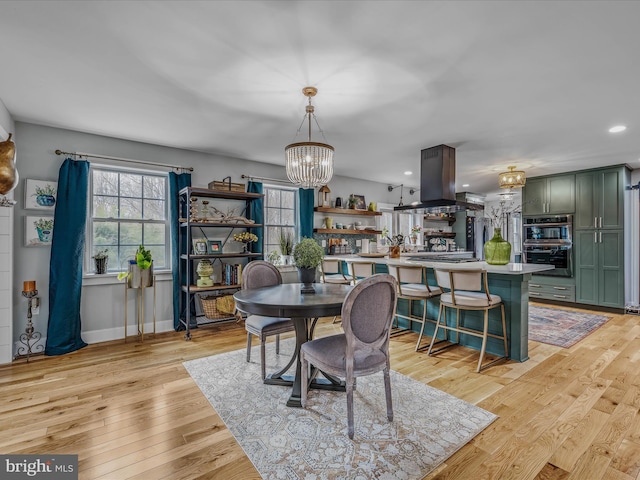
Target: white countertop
column 509, row 269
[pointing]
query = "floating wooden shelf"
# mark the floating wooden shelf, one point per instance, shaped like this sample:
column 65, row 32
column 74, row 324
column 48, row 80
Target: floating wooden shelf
column 438, row 218
column 346, row 211
column 219, row 255
column 345, row 231
column 213, row 288
column 440, row 234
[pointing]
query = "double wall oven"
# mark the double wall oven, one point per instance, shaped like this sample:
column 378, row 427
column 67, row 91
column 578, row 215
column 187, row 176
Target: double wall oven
column 548, row 241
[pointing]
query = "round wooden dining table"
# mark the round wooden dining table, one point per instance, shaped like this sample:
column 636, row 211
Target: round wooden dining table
column 287, row 301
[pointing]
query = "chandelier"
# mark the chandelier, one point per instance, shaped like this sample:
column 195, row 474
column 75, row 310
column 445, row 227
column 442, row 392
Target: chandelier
column 309, row 164
column 512, row 179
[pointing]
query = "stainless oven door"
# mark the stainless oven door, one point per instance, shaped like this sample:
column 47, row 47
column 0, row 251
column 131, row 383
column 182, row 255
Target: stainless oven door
column 559, row 255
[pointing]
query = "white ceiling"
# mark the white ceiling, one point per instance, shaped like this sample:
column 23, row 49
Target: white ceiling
column 532, row 84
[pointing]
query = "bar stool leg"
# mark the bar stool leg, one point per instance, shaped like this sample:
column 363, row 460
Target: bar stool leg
column 485, row 330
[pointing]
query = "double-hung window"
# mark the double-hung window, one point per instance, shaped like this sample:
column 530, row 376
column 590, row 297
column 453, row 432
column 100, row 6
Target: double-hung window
column 281, row 215
column 128, row 208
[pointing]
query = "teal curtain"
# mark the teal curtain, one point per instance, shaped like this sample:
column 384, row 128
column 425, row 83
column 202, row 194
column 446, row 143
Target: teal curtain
column 306, row 211
column 67, row 252
column 176, row 183
column 256, row 213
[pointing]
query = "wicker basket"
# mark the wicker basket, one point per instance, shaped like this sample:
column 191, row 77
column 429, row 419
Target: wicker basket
column 213, row 306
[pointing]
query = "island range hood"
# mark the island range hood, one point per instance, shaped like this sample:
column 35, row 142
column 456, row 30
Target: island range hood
column 438, row 183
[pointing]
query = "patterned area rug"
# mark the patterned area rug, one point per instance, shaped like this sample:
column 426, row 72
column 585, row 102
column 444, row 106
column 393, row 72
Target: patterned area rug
column 293, row 443
column 563, row 328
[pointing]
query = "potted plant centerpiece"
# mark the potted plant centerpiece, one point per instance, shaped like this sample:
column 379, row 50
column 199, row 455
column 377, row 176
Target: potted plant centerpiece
column 101, row 259
column 307, row 255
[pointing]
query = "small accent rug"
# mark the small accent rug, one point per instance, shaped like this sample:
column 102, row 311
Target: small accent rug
column 563, row 328
column 294, row 443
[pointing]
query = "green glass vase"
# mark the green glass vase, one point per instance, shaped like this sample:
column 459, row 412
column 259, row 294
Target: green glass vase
column 497, row 251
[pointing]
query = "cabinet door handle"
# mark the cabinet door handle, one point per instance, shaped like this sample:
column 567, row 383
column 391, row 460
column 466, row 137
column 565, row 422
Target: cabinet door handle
column 595, row 222
column 560, row 296
column 595, row 237
column 600, row 237
column 600, row 222
column 534, row 285
column 534, row 294
column 559, row 288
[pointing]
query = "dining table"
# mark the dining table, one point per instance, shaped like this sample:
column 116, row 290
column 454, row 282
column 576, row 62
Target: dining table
column 287, row 301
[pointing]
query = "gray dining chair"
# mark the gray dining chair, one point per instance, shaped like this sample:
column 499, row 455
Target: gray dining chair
column 363, row 348
column 257, row 274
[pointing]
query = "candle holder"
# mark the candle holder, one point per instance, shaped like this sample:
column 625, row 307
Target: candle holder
column 30, row 337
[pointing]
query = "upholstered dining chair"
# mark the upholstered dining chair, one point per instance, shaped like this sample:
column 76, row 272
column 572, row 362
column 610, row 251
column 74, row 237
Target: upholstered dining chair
column 257, row 274
column 468, row 290
column 359, row 269
column 413, row 287
column 363, row 348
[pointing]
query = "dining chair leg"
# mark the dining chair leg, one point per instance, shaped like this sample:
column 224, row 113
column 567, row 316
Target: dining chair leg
column 304, row 370
column 248, row 347
column 387, row 393
column 350, row 428
column 263, row 357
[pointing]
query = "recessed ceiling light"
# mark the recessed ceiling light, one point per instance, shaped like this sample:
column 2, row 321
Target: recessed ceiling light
column 465, row 185
column 408, row 172
column 617, row 129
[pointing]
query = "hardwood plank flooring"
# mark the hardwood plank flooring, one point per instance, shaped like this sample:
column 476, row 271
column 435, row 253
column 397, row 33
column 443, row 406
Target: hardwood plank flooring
column 131, row 411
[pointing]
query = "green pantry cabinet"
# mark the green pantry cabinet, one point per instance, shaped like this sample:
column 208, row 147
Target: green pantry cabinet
column 549, row 195
column 599, row 237
column 597, row 199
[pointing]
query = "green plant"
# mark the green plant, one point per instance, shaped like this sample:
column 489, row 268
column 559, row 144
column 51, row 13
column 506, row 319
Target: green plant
column 43, row 224
column 47, row 190
column 245, row 237
column 274, row 257
column 101, row 254
column 286, row 242
column 307, row 253
column 143, row 258
column 352, row 201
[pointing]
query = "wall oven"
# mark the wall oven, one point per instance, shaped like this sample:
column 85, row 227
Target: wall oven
column 548, row 241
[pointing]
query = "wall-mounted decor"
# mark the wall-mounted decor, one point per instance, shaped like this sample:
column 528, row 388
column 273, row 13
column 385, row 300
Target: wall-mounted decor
column 40, row 194
column 215, row 246
column 38, row 231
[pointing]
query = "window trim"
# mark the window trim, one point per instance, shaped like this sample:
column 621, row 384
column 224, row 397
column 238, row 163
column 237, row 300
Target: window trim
column 89, row 266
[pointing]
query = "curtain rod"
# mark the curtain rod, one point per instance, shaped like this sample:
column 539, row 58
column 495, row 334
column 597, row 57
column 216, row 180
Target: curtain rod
column 119, row 159
column 251, row 177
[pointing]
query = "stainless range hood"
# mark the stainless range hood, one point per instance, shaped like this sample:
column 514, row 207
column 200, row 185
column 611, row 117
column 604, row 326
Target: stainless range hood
column 438, row 183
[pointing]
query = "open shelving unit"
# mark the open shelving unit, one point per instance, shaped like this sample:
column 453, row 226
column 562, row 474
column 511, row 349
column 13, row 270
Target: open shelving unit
column 188, row 260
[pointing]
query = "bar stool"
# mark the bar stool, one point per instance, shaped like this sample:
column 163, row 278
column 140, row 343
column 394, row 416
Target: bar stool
column 360, row 269
column 464, row 291
column 413, row 287
column 332, row 273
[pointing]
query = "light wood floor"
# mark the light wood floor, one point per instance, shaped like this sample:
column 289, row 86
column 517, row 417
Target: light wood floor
column 131, row 411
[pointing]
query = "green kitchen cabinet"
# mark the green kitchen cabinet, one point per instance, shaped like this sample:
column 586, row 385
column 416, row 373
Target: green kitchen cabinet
column 600, row 199
column 549, row 195
column 599, row 267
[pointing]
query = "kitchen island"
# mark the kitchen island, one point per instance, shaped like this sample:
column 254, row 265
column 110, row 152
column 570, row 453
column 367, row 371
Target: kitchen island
column 510, row 281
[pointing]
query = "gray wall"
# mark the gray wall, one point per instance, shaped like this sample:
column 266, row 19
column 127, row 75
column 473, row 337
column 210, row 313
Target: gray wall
column 103, row 298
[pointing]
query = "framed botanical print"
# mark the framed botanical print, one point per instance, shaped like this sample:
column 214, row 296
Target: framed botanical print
column 199, row 246
column 215, row 246
column 38, row 231
column 40, row 194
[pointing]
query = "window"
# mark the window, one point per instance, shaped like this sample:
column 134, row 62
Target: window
column 128, row 208
column 281, row 215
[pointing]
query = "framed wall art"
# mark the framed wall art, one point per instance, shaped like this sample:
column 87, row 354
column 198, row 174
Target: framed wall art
column 40, row 194
column 215, row 246
column 38, row 231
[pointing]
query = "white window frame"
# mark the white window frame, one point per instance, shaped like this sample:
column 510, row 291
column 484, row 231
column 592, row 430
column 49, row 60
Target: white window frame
column 296, row 214
column 114, row 268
